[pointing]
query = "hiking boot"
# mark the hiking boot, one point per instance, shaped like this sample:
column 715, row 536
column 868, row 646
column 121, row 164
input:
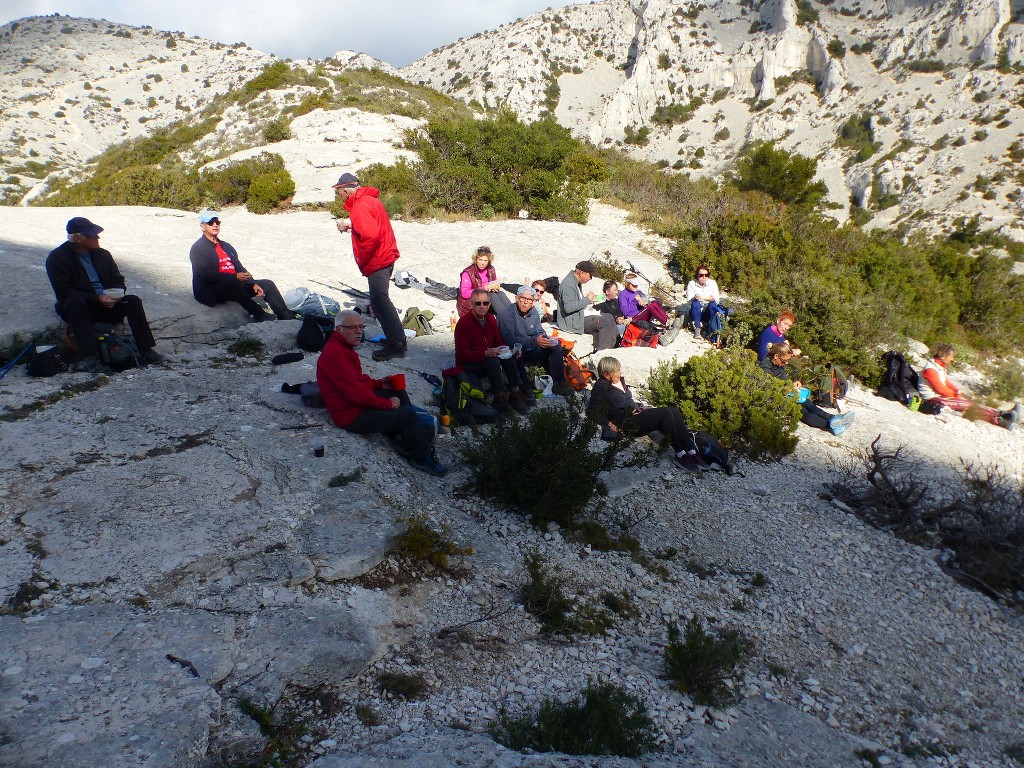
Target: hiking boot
column 92, row 364
column 1009, row 419
column 529, row 397
column 152, row 357
column 839, row 423
column 387, row 353
column 562, row 389
column 516, row 401
column 679, row 322
column 668, row 336
column 431, row 465
column 501, row 404
column 687, row 463
column 696, row 332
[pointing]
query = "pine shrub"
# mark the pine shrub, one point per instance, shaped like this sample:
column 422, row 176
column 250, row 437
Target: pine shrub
column 604, row 719
column 699, row 663
column 542, row 464
column 727, row 394
column 269, row 190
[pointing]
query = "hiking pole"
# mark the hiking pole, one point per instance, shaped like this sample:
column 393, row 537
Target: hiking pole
column 6, row 369
column 354, row 292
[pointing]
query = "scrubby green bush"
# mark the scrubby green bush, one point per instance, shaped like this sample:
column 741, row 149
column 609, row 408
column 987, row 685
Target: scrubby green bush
column 604, row 720
column 277, row 130
column 419, row 541
column 727, row 394
column 699, row 663
column 136, row 185
column 857, row 134
column 269, row 190
column 784, row 176
column 505, row 463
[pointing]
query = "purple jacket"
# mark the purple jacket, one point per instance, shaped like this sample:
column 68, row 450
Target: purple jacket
column 628, row 303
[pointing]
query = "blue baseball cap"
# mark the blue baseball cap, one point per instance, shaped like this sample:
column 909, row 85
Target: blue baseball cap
column 207, row 216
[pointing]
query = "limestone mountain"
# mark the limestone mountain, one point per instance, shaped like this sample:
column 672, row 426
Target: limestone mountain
column 909, row 107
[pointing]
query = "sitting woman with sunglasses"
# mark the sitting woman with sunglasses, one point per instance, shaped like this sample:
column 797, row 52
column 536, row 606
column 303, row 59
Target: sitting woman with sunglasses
column 480, row 275
column 775, row 364
column 612, row 406
column 540, row 289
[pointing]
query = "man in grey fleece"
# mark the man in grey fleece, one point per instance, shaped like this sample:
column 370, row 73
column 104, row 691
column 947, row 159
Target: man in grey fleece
column 573, row 305
column 520, row 324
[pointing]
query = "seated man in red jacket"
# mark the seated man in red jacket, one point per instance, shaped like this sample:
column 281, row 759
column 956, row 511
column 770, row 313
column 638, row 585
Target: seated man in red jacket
column 363, row 405
column 479, row 349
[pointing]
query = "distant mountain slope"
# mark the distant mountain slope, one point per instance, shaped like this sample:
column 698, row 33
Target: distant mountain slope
column 937, row 86
column 69, row 88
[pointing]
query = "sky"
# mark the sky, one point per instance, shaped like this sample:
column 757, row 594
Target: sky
column 396, row 31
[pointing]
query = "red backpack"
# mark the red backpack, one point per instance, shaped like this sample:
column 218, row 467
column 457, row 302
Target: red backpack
column 635, row 336
column 577, row 375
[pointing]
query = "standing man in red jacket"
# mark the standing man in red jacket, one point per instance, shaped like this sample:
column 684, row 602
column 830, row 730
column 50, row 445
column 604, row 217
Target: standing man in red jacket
column 375, row 251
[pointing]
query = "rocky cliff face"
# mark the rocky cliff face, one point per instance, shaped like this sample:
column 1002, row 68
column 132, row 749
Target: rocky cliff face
column 690, row 85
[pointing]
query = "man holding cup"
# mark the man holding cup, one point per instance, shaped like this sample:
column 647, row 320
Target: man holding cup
column 91, row 289
column 358, row 403
column 520, row 324
column 479, row 349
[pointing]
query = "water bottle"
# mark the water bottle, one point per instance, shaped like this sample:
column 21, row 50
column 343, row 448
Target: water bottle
column 104, row 349
column 454, row 321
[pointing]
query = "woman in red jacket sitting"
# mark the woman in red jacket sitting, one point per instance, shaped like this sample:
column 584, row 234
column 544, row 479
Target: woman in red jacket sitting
column 936, row 387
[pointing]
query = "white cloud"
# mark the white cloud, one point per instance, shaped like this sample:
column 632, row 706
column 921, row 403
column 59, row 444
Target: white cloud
column 397, row 31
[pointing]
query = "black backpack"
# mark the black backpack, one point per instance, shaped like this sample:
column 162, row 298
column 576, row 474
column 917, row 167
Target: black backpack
column 900, row 382
column 314, row 332
column 712, row 451
column 462, row 402
column 115, row 350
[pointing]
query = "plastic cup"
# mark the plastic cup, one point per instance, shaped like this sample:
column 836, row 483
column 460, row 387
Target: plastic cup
column 318, row 447
column 517, row 348
column 397, row 381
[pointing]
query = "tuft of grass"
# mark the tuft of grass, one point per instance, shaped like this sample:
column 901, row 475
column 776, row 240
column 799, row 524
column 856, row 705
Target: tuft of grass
column 340, row 481
column 699, row 663
column 283, row 728
column 604, row 719
column 368, row 716
column 403, row 685
column 544, row 595
column 246, row 348
column 422, row 543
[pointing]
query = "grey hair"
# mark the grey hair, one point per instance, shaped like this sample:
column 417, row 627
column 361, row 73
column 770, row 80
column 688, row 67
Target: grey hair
column 345, row 314
column 476, row 291
column 606, row 366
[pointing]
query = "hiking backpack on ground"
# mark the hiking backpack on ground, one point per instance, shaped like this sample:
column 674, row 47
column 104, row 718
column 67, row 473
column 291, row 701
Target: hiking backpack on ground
column 305, row 302
column 577, row 375
column 637, row 336
column 712, row 451
column 314, row 332
column 418, row 320
column 832, row 386
column 118, row 351
column 900, row 382
column 462, row 402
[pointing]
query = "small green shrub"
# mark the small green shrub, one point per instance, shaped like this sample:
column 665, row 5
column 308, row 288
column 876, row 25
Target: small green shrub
column 246, row 348
column 727, row 394
column 836, row 48
column 346, row 478
column 784, row 176
column 269, row 190
column 421, row 542
column 604, row 720
column 608, row 268
column 925, row 65
column 545, row 598
column 505, row 463
column 699, row 663
column 229, row 184
column 403, row 685
column 1005, row 380
column 277, row 130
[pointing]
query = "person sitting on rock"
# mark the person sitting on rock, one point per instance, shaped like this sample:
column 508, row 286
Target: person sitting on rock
column 218, row 276
column 480, row 274
column 636, row 305
column 936, row 387
column 705, row 303
column 610, row 305
column 84, row 278
column 520, row 324
column 479, row 349
column 612, row 406
column 544, row 309
column 776, row 364
column 575, row 308
column 363, row 405
column 776, row 334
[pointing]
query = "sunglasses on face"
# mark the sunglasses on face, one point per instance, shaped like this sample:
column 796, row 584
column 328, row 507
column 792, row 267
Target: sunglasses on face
column 481, row 303
column 703, row 274
column 538, row 291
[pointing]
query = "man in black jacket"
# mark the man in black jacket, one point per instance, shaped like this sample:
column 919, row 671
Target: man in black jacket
column 86, row 282
column 218, row 275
